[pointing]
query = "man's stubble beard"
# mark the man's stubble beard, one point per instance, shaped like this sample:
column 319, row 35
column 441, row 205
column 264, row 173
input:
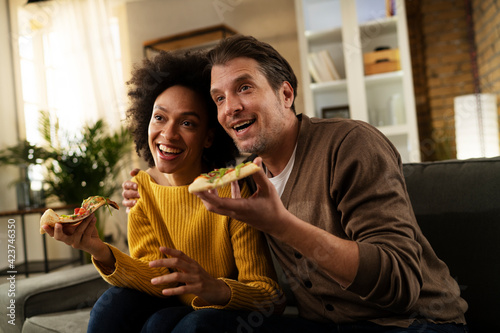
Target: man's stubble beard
column 264, row 142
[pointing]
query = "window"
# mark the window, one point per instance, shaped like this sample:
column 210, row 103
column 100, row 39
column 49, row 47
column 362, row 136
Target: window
column 66, row 68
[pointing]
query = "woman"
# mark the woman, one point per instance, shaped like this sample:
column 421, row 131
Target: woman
column 182, row 257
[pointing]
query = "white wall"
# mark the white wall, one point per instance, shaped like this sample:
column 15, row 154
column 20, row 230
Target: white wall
column 271, row 21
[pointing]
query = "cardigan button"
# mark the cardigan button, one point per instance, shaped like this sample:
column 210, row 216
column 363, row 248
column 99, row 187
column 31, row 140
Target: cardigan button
column 308, row 284
column 329, row 307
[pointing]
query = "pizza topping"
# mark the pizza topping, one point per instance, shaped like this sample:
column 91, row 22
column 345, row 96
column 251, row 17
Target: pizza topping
column 92, row 201
column 223, row 176
column 73, row 216
column 90, row 204
column 80, row 211
column 239, row 166
column 86, row 208
column 217, row 174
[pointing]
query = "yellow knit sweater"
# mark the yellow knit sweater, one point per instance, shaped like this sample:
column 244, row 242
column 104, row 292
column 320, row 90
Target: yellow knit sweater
column 227, row 249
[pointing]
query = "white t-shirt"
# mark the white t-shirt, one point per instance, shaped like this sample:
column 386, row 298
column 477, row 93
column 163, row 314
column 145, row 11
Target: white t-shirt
column 280, row 180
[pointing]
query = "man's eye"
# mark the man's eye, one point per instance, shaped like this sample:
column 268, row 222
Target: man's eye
column 219, row 99
column 157, row 117
column 243, row 88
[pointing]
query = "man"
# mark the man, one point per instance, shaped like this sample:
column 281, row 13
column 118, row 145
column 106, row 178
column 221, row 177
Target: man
column 333, row 203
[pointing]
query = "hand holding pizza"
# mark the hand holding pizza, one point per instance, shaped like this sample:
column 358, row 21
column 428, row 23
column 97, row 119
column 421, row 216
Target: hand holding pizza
column 82, row 236
column 263, row 210
column 191, row 277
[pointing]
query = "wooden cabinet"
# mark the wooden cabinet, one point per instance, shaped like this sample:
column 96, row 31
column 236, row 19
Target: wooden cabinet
column 193, row 40
column 352, row 31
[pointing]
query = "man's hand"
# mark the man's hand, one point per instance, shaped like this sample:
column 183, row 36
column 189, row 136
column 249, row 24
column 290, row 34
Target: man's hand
column 130, row 193
column 263, row 210
column 191, row 277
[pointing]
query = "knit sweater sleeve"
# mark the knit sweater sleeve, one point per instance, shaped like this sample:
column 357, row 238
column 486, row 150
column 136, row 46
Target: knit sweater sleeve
column 255, row 287
column 133, row 271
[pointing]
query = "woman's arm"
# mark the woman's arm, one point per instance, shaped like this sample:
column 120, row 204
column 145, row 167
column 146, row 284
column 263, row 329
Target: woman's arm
column 133, row 271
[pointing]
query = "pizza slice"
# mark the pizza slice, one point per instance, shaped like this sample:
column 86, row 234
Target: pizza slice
column 89, row 205
column 223, row 176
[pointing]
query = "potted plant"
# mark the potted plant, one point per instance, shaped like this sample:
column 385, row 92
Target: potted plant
column 24, row 155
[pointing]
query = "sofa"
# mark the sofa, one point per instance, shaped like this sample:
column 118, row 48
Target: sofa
column 457, row 204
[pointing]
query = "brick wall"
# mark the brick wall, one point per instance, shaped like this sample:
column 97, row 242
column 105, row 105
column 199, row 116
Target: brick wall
column 487, row 28
column 441, row 59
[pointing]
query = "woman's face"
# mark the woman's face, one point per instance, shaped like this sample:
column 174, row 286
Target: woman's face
column 178, row 132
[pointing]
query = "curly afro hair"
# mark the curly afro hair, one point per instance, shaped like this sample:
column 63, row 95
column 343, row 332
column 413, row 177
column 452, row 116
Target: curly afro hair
column 154, row 76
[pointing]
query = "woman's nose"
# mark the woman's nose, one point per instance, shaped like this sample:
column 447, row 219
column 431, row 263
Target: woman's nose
column 170, row 132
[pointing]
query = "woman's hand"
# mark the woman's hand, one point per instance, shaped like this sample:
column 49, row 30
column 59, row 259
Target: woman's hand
column 191, row 278
column 82, row 236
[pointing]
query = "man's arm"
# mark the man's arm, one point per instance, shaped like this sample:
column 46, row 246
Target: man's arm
column 265, row 211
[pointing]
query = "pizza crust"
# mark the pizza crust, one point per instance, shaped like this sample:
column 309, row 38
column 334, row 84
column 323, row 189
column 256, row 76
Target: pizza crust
column 202, row 183
column 50, row 217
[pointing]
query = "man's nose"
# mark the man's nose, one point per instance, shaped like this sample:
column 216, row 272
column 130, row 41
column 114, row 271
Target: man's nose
column 233, row 105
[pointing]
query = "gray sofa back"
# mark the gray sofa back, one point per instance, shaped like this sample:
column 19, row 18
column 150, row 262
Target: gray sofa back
column 457, row 205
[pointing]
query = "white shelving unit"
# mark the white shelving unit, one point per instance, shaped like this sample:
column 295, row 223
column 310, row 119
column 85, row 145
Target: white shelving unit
column 347, row 29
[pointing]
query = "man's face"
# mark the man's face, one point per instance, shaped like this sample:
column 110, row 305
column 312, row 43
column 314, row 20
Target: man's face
column 248, row 108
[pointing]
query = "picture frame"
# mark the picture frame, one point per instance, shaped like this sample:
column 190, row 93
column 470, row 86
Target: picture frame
column 335, row 112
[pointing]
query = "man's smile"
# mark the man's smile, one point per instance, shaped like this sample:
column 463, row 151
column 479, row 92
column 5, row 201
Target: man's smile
column 241, row 126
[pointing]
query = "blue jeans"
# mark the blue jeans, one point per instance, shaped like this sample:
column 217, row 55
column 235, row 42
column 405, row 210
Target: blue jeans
column 126, row 310
column 212, row 320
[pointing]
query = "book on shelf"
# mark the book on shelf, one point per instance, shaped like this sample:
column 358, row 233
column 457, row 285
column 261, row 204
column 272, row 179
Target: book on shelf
column 390, row 8
column 322, row 67
column 312, row 69
column 328, row 61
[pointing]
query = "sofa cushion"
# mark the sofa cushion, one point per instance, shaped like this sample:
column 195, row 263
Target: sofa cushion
column 75, row 321
column 457, row 205
column 69, row 289
column 83, row 294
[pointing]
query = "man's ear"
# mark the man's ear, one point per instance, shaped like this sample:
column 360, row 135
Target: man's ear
column 209, row 139
column 287, row 93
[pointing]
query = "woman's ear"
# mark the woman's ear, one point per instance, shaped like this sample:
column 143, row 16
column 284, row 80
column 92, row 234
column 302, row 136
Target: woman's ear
column 209, row 139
